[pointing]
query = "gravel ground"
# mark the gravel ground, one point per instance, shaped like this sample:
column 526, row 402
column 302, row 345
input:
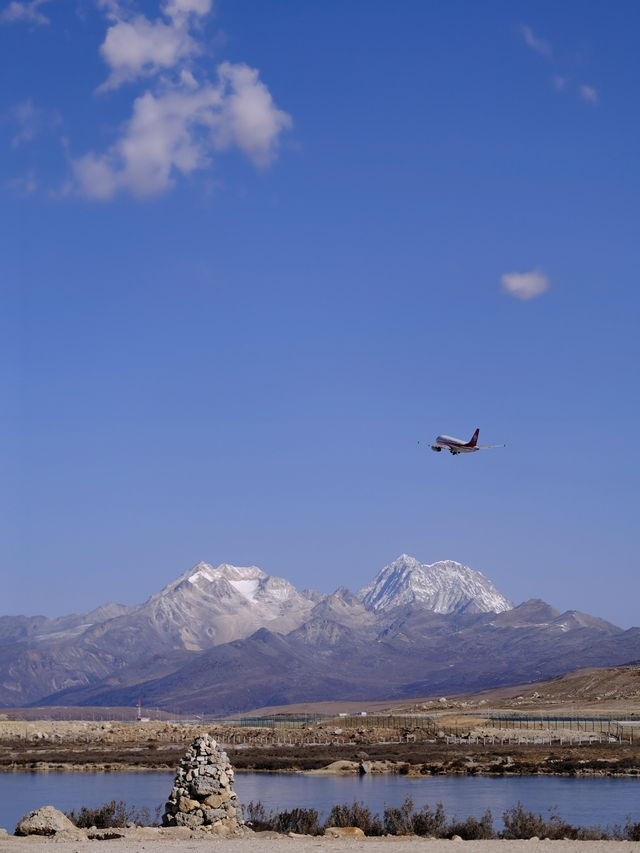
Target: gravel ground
column 11, row 844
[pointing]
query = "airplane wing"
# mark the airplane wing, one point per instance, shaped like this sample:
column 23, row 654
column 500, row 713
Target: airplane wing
column 428, row 444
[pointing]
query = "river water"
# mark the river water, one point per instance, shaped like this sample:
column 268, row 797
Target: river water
column 586, row 802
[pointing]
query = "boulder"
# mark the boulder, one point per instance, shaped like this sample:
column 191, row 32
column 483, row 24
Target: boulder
column 343, row 832
column 48, row 821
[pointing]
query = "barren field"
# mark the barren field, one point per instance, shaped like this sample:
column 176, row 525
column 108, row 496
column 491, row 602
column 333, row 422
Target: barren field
column 89, row 746
column 587, row 722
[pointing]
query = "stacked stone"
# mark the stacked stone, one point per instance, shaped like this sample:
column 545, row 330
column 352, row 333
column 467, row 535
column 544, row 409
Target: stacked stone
column 202, row 793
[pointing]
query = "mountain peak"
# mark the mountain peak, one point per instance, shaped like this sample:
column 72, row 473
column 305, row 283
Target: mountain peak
column 407, row 558
column 444, row 587
column 202, row 575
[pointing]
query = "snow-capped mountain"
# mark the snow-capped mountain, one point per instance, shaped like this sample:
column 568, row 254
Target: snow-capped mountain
column 207, row 606
column 443, row 587
column 232, row 638
column 202, row 608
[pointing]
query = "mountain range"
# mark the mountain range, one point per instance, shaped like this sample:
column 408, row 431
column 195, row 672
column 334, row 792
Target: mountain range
column 228, row 639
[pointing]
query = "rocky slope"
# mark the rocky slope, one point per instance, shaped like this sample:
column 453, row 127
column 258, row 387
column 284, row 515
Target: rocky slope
column 416, row 653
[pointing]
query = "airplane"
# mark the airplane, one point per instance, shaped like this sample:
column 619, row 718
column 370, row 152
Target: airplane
column 456, row 445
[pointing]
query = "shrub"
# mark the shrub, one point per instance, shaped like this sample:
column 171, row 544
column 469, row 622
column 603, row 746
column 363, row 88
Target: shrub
column 300, row 821
column 399, row 821
column 473, row 829
column 428, row 822
column 521, row 824
column 256, row 816
column 632, row 831
column 596, row 833
column 518, row 823
column 355, row 815
column 112, row 814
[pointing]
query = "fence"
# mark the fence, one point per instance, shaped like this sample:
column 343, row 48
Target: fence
column 605, row 727
column 393, row 728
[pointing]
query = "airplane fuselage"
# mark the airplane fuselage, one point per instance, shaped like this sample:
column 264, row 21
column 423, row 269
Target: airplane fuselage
column 457, row 445
column 453, row 445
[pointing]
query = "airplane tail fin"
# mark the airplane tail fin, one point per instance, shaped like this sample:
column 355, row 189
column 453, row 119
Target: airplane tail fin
column 474, row 438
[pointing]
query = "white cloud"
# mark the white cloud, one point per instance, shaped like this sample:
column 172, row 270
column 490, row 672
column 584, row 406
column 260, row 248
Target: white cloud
column 560, row 82
column 525, row 285
column 140, row 47
column 179, row 130
column 24, row 11
column 183, row 120
column 135, row 46
column 539, row 45
column 248, row 117
column 589, row 94
column 177, row 8
column 111, row 8
column 162, row 136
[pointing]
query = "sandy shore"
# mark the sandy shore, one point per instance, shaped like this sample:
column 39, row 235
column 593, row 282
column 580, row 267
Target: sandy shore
column 260, row 844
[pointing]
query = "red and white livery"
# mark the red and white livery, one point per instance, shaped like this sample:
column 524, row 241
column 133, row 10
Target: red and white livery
column 457, row 445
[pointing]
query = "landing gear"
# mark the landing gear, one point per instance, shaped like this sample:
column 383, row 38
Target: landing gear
column 437, row 449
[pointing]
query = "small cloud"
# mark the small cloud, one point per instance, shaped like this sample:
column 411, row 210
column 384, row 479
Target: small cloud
column 525, row 285
column 28, row 12
column 111, row 8
column 248, row 117
column 31, row 121
column 136, row 46
column 589, row 94
column 560, row 82
column 539, row 45
column 177, row 8
column 141, row 47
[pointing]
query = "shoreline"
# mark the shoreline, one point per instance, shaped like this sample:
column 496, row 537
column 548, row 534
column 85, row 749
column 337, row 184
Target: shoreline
column 397, row 769
column 102, row 747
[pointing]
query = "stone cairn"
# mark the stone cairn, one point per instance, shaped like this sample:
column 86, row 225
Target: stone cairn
column 202, row 793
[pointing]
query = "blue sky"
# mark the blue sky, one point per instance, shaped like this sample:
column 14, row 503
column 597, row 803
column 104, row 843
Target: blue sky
column 252, row 253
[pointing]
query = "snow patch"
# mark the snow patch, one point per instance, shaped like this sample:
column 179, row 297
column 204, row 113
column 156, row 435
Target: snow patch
column 247, row 588
column 201, row 574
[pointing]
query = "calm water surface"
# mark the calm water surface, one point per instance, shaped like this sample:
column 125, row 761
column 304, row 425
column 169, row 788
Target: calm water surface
column 580, row 801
